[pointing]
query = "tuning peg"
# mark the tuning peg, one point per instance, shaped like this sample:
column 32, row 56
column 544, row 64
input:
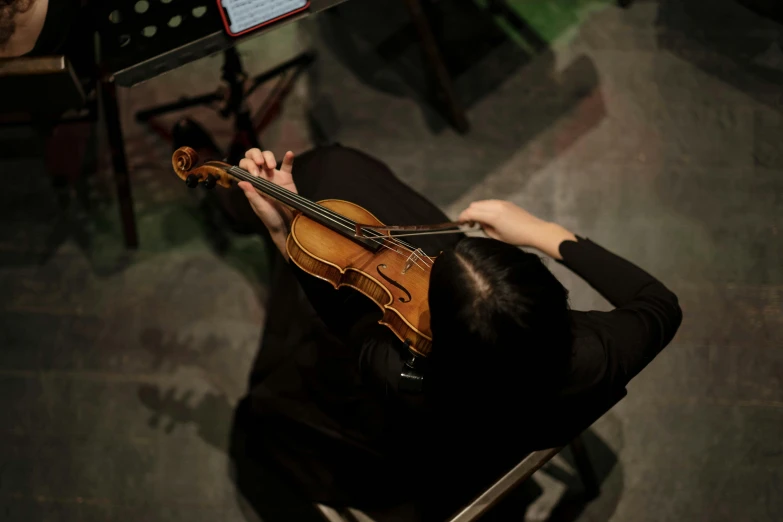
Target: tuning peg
column 210, row 181
column 192, row 181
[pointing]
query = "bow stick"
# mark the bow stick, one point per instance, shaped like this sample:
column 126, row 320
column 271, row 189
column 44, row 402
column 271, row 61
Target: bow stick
column 420, row 230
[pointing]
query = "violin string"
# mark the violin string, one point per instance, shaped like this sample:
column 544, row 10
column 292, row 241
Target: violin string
column 383, row 243
column 350, row 224
column 280, row 191
column 342, row 220
column 314, row 207
column 334, row 215
column 428, row 233
column 324, row 212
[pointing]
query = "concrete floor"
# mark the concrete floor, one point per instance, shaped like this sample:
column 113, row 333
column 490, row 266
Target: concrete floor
column 655, row 131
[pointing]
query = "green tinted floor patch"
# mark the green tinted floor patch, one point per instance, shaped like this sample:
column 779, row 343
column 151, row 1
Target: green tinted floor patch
column 551, row 20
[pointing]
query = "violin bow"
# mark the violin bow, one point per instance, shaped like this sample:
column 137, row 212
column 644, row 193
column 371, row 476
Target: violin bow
column 452, row 227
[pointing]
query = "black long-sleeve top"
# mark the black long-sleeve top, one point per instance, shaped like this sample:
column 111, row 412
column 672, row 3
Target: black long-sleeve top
column 610, row 347
column 325, row 403
column 336, row 420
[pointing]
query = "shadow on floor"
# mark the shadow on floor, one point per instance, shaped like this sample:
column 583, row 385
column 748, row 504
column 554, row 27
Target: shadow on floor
column 66, row 193
column 381, row 46
column 605, row 462
column 211, row 414
column 265, row 495
column 504, row 73
column 482, row 47
column 769, row 8
column 748, row 56
column 56, row 196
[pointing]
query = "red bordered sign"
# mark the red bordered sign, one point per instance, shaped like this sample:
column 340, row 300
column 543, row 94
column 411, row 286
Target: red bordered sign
column 241, row 27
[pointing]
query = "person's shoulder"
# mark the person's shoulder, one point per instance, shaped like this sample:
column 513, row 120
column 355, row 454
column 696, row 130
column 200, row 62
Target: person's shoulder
column 587, row 365
column 587, row 325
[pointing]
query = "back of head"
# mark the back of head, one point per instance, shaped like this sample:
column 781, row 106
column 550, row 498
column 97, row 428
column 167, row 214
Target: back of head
column 499, row 319
column 10, row 10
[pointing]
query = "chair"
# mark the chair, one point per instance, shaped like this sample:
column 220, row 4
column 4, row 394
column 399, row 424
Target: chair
column 534, row 461
column 45, row 91
column 489, row 498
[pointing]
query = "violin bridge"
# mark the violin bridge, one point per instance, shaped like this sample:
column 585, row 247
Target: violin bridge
column 415, row 256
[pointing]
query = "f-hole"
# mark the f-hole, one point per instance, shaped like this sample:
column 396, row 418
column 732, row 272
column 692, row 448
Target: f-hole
column 395, row 283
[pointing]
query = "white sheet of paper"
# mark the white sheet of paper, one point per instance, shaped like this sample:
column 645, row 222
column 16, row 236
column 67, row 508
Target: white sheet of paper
column 244, row 14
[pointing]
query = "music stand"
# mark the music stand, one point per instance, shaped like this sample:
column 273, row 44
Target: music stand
column 246, row 126
column 142, row 39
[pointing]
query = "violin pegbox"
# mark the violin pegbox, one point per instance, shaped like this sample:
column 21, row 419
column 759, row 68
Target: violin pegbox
column 209, row 174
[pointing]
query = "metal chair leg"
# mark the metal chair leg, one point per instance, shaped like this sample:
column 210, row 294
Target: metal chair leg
column 585, row 468
column 119, row 162
column 521, row 472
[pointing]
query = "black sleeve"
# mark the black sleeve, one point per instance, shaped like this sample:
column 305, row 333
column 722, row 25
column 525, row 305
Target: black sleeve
column 646, row 317
column 353, row 318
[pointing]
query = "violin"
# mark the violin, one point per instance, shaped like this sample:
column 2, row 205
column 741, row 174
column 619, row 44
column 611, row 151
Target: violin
column 345, row 244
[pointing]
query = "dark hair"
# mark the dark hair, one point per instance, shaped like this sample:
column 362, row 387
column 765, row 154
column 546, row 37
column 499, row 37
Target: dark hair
column 500, row 320
column 8, row 11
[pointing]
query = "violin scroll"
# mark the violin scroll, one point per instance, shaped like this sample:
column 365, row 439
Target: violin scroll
column 211, row 173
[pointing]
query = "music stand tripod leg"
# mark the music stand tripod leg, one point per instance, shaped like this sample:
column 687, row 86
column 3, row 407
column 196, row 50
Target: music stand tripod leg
column 236, row 105
column 248, row 126
column 234, row 100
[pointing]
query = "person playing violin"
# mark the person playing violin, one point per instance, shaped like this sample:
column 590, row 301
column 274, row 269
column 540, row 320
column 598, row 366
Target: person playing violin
column 512, row 369
column 38, row 27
